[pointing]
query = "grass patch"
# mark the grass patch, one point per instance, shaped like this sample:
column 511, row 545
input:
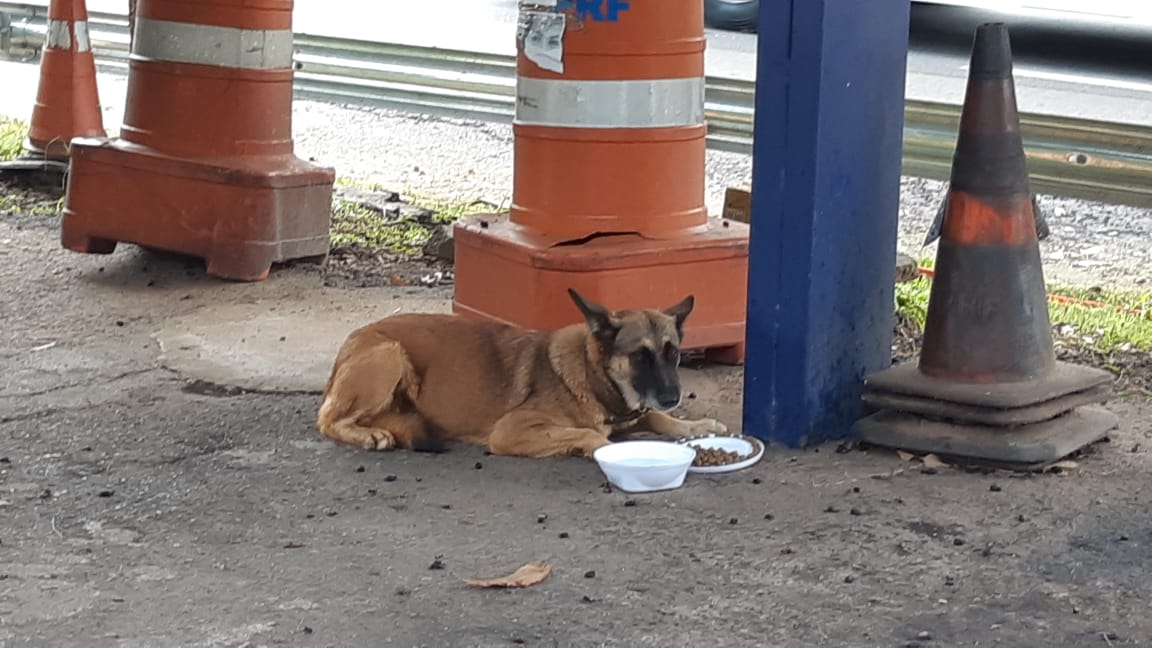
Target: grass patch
column 354, row 225
column 12, row 134
column 30, row 204
column 357, row 226
column 1113, row 321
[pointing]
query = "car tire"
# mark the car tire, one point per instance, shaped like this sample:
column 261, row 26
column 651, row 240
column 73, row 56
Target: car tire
column 732, row 15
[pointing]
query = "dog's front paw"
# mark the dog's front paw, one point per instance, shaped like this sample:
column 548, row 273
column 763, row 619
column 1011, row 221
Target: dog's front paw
column 707, row 426
column 378, row 439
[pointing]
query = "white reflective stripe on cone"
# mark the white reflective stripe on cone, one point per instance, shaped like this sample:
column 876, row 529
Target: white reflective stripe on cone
column 180, row 42
column 83, row 43
column 650, row 103
column 59, row 36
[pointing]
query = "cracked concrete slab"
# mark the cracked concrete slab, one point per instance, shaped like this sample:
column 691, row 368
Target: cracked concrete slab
column 271, row 346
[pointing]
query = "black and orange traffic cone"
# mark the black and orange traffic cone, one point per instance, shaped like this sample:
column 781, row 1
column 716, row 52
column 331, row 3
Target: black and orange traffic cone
column 67, row 104
column 987, row 385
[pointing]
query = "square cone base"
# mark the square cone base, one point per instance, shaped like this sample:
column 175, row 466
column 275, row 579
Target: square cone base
column 239, row 214
column 507, row 273
column 986, row 415
column 1023, row 446
column 1063, row 380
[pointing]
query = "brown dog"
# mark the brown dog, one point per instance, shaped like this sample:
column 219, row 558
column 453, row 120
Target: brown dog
column 413, row 381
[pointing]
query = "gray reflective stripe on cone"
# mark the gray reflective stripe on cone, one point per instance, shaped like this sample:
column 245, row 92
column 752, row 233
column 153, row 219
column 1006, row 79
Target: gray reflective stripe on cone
column 60, row 34
column 648, row 103
column 180, row 42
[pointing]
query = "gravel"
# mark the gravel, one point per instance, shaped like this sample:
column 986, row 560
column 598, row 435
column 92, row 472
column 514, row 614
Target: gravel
column 1091, row 243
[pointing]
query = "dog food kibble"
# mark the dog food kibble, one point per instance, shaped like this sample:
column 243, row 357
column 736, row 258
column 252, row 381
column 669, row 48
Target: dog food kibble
column 757, row 480
column 629, row 502
column 542, row 518
column 563, row 534
column 436, row 564
column 591, row 573
column 360, row 469
column 716, row 457
column 995, row 488
column 390, row 478
column 478, row 465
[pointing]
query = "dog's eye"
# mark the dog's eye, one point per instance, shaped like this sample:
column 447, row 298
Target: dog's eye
column 670, row 351
column 642, row 355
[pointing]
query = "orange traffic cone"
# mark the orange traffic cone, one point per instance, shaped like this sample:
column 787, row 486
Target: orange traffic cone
column 987, row 384
column 67, row 104
column 608, row 189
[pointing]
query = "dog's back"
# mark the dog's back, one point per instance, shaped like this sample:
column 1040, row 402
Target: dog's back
column 459, row 375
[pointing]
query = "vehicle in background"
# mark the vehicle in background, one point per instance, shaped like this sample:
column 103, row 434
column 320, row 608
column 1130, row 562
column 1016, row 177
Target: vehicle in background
column 744, row 15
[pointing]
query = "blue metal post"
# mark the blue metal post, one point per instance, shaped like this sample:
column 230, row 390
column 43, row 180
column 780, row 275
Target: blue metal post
column 825, row 203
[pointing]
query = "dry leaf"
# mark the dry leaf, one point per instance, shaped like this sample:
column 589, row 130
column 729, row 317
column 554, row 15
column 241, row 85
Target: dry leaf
column 932, row 461
column 526, row 576
column 397, row 280
column 905, row 456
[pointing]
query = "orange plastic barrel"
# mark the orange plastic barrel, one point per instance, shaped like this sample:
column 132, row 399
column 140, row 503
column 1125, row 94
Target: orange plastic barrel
column 609, row 126
column 204, row 164
column 211, row 78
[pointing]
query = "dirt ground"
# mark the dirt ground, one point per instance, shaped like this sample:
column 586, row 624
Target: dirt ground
column 137, row 509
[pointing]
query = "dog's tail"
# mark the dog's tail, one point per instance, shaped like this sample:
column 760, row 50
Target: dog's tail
column 370, row 400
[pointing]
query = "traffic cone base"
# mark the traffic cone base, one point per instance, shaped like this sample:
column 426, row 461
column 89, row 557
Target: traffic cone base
column 515, row 275
column 1022, row 447
column 987, row 385
column 1063, row 379
column 204, row 162
column 279, row 197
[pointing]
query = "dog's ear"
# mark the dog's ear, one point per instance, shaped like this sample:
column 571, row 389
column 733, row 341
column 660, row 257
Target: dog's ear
column 682, row 310
column 599, row 319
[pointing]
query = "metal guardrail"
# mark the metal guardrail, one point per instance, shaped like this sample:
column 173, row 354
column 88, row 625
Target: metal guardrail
column 1068, row 157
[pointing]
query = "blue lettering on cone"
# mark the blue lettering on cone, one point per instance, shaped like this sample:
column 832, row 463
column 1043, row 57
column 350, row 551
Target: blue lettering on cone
column 589, row 9
column 595, row 10
column 614, row 7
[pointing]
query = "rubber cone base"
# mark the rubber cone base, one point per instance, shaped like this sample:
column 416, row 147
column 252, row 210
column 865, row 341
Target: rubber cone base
column 1061, row 380
column 1024, row 446
column 241, row 215
column 508, row 273
column 931, row 407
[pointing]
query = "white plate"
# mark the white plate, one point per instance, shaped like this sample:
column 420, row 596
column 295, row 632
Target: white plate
column 740, row 445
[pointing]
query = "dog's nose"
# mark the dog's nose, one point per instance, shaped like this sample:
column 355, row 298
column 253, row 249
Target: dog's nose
column 668, row 401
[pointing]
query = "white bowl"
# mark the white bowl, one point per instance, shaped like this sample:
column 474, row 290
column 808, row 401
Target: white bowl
column 740, row 445
column 644, row 466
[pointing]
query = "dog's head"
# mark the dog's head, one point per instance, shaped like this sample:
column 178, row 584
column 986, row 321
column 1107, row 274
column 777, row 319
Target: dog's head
column 640, row 350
